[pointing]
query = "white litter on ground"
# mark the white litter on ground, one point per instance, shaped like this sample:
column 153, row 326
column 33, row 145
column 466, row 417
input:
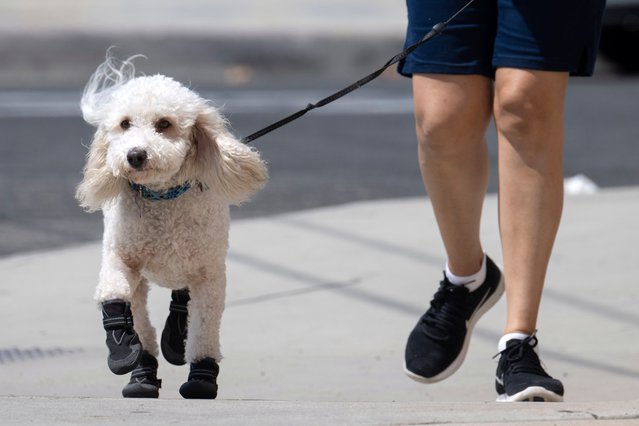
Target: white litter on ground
column 579, row 184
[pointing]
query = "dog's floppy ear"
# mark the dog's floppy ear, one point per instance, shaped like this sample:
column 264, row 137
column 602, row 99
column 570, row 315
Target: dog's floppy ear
column 98, row 185
column 225, row 165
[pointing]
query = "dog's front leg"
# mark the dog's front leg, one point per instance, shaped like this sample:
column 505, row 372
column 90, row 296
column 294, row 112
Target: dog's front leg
column 143, row 325
column 203, row 335
column 116, row 286
column 144, row 381
column 205, row 317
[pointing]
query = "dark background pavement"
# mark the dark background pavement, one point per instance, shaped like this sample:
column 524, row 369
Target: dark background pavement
column 347, row 151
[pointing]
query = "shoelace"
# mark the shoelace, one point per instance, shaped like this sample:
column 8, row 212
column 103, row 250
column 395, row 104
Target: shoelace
column 521, row 357
column 446, row 311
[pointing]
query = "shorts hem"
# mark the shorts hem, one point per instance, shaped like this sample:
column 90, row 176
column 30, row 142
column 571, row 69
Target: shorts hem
column 550, row 65
column 408, row 70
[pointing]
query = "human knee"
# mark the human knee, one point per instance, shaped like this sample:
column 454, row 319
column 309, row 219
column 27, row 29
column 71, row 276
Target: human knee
column 451, row 111
column 447, row 135
column 528, row 109
column 516, row 113
column 432, row 133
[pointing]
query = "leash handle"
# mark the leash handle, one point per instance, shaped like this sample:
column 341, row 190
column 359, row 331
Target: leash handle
column 436, row 30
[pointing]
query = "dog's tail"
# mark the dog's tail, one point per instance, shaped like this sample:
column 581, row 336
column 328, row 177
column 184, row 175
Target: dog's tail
column 109, row 75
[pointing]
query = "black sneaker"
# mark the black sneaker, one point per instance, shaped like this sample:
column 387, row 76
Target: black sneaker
column 144, row 380
column 174, row 333
column 438, row 344
column 520, row 376
column 125, row 349
column 202, row 380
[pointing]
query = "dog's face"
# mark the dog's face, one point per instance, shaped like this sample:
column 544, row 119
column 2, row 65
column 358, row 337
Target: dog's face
column 155, row 132
column 149, row 130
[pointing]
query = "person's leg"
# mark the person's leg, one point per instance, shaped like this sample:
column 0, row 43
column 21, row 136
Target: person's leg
column 528, row 112
column 452, row 113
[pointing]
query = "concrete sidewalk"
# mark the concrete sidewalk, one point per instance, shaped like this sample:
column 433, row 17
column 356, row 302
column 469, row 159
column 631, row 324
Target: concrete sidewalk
column 43, row 411
column 319, row 305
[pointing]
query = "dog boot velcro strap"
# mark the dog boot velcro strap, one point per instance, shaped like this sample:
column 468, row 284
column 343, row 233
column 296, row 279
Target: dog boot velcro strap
column 119, row 322
column 144, row 382
column 201, row 374
column 175, row 328
column 125, row 349
column 178, row 307
column 206, row 369
column 202, row 380
column 146, row 375
column 179, row 299
column 116, row 313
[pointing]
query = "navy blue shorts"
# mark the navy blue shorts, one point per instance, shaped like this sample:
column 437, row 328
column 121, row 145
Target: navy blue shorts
column 548, row 35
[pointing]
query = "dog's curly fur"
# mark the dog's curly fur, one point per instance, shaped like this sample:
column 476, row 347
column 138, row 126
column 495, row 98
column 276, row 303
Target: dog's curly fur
column 174, row 243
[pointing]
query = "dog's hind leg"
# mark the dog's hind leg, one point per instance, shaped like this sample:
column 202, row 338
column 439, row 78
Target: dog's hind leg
column 175, row 328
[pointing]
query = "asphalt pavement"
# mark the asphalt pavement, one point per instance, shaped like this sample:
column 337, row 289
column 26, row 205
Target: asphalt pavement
column 357, row 149
column 320, row 301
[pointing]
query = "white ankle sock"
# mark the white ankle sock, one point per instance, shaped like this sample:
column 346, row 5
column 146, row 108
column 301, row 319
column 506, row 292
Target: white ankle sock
column 510, row 336
column 472, row 282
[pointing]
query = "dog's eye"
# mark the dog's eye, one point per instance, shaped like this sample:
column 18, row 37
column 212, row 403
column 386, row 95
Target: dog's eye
column 162, row 125
column 125, row 124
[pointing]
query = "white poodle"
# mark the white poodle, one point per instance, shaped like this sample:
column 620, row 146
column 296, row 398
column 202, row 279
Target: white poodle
column 163, row 168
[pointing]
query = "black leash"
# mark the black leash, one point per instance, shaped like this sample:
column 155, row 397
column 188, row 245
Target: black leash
column 437, row 29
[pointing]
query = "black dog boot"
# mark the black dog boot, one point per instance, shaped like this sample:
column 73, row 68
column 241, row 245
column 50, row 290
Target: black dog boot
column 144, row 380
column 202, row 380
column 125, row 349
column 174, row 333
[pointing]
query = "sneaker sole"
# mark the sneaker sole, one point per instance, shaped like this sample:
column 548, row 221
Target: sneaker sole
column 454, row 366
column 532, row 394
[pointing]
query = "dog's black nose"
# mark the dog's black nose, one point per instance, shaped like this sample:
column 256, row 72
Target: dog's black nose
column 136, row 157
